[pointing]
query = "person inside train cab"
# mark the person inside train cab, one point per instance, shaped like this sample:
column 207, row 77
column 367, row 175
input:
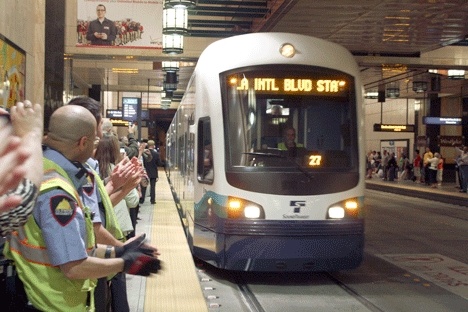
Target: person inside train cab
column 289, row 142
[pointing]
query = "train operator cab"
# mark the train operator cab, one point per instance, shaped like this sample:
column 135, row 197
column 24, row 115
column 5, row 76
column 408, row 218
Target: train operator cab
column 262, row 106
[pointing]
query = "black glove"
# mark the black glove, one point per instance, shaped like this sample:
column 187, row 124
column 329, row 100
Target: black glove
column 135, row 245
column 137, row 263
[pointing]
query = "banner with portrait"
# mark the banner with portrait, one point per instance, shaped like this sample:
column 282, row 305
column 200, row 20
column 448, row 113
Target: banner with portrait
column 119, row 23
column 12, row 73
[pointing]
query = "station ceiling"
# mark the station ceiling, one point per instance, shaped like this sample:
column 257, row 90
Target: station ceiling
column 392, row 40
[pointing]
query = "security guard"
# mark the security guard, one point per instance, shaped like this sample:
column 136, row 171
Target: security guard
column 106, row 227
column 54, row 253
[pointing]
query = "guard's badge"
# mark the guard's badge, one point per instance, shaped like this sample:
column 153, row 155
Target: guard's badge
column 63, row 209
column 88, row 188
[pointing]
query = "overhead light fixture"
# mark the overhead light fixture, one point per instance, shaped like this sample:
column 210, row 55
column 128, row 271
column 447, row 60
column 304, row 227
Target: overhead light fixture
column 167, row 94
column 393, row 90
column 173, row 44
column 419, row 86
column 170, row 66
column 456, row 74
column 185, row 3
column 170, row 81
column 165, row 102
column 175, row 20
column 393, row 93
column 371, row 95
column 417, row 105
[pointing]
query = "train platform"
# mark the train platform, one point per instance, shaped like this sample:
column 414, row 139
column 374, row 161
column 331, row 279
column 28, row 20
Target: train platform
column 176, row 288
column 448, row 192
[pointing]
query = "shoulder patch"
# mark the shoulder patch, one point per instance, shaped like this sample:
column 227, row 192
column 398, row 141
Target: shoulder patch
column 63, row 208
column 88, row 188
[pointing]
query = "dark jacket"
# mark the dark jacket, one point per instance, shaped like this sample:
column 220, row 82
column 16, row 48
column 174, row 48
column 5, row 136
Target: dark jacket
column 131, row 149
column 151, row 166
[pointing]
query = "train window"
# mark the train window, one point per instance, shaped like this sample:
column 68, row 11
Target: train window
column 289, row 117
column 205, row 151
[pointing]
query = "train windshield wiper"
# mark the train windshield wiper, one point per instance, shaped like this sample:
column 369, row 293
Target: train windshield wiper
column 290, row 159
column 265, row 154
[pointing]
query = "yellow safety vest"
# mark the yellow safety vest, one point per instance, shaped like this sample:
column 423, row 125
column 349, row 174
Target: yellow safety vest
column 47, row 288
column 282, row 146
column 111, row 219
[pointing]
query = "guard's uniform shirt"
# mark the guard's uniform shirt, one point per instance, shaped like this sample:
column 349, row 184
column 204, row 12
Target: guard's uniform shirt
column 60, row 231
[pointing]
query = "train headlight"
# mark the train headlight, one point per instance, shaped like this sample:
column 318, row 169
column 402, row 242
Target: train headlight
column 336, row 213
column 238, row 208
column 350, row 208
column 252, row 212
column 287, row 50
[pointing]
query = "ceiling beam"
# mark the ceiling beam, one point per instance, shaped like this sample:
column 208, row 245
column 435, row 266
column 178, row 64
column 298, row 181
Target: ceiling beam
column 228, row 11
column 261, row 3
column 218, row 23
column 213, row 33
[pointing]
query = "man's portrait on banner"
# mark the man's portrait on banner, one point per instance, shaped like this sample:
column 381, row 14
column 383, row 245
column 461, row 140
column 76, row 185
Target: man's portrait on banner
column 120, row 23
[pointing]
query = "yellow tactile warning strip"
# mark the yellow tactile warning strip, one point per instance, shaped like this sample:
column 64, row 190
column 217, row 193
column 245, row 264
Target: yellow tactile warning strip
column 176, row 288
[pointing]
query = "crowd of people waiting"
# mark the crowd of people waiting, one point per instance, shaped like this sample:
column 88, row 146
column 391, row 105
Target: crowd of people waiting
column 65, row 248
column 427, row 169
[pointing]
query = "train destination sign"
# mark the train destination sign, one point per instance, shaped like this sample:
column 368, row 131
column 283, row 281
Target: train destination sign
column 291, row 85
column 393, row 128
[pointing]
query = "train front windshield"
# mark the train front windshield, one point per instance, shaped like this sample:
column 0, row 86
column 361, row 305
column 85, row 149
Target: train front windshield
column 285, row 118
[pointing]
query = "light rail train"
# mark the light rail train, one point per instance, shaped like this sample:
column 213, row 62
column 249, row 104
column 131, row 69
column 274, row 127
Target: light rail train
column 265, row 155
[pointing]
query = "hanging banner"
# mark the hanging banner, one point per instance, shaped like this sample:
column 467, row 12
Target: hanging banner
column 119, row 23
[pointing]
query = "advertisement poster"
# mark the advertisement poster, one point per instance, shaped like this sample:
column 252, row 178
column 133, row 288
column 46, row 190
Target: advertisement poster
column 119, row 23
column 12, row 73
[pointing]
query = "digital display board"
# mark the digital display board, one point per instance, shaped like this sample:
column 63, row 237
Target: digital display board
column 324, row 86
column 130, row 107
column 393, row 128
column 446, row 121
column 114, row 113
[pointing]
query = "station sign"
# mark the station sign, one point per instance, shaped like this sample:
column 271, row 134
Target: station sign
column 443, row 121
column 114, row 113
column 393, row 128
column 119, row 122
